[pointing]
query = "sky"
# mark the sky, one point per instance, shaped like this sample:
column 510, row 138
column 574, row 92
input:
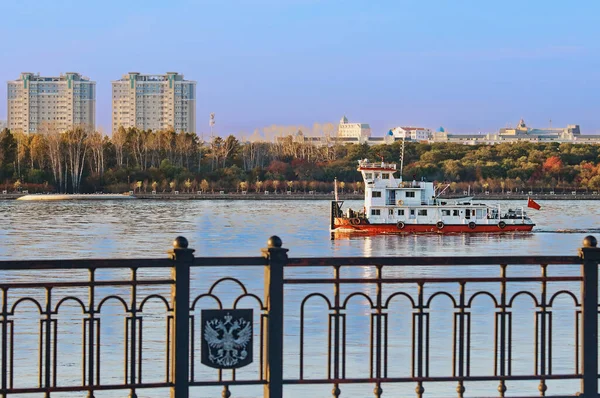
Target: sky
column 469, row 66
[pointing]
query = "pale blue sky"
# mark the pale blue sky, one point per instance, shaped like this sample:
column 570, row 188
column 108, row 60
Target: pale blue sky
column 466, row 65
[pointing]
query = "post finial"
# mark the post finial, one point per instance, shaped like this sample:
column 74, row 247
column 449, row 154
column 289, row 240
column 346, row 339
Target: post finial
column 180, row 243
column 590, row 241
column 274, row 242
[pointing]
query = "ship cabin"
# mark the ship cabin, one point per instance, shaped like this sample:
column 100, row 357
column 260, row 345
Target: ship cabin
column 384, row 191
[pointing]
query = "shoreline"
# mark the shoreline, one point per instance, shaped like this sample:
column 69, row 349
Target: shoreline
column 305, row 196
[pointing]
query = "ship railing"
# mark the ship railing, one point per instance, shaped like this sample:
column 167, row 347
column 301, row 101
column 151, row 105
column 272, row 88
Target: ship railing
column 138, row 325
column 378, row 165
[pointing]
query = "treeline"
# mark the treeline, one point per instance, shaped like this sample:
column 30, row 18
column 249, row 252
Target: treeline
column 79, row 160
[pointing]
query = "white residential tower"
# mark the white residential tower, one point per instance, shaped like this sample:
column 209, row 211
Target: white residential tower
column 154, row 102
column 65, row 101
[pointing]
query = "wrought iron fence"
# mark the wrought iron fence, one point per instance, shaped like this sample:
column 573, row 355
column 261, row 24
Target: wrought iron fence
column 206, row 348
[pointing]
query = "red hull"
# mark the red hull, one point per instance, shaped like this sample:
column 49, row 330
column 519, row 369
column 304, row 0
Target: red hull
column 431, row 228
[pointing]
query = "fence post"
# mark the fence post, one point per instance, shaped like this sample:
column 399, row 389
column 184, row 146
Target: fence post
column 590, row 256
column 273, row 367
column 182, row 258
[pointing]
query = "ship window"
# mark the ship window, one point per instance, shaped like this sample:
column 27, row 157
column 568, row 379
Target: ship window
column 401, row 212
column 376, row 194
column 377, row 175
column 385, row 175
column 445, row 212
column 391, row 212
column 423, row 212
column 455, row 213
column 375, row 212
column 410, row 194
column 368, row 176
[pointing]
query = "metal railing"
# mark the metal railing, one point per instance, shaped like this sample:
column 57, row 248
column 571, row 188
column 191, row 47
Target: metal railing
column 136, row 282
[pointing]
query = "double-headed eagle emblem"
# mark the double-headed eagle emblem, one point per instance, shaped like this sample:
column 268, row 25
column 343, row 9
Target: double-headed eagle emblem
column 226, row 338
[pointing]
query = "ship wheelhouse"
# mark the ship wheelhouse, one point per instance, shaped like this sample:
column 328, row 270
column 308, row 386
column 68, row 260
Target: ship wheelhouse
column 383, row 189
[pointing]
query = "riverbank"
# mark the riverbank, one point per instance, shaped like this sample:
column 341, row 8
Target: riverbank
column 320, row 196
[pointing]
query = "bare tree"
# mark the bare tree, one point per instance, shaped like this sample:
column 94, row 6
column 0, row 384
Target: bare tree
column 153, row 146
column 215, row 151
column 22, row 147
column 37, row 151
column 230, row 145
column 184, row 146
column 54, row 142
column 167, row 143
column 76, row 146
column 139, row 146
column 95, row 143
column 119, row 139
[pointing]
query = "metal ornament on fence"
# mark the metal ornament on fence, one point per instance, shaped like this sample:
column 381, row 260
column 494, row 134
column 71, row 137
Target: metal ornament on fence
column 227, row 338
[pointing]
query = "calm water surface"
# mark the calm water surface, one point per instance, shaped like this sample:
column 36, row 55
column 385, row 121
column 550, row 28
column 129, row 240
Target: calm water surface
column 142, row 229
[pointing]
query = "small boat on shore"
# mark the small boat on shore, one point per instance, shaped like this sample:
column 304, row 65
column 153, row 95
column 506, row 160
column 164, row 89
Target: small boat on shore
column 393, row 206
column 91, row 196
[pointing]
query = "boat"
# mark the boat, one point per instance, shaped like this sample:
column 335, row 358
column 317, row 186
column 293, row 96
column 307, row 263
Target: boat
column 393, row 206
column 91, row 196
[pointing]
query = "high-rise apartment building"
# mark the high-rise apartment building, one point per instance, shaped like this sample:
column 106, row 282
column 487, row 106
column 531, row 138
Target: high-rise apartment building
column 154, row 102
column 65, row 101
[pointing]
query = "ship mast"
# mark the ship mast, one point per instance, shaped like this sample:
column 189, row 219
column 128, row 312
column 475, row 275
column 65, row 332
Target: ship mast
column 402, row 156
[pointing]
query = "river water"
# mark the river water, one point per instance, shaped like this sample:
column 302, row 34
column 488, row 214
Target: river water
column 145, row 229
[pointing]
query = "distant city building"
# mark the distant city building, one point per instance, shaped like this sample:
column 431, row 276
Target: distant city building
column 3, row 124
column 353, row 131
column 154, row 102
column 65, row 101
column 412, row 133
column 440, row 135
column 521, row 132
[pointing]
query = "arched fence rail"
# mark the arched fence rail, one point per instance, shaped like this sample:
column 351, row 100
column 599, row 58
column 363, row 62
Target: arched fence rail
column 208, row 346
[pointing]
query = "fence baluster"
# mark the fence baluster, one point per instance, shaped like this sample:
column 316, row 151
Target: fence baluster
column 4, row 340
column 276, row 259
column 460, row 389
column 47, row 342
column 543, row 348
column 134, row 340
column 419, row 390
column 502, row 333
column 590, row 254
column 378, row 391
column 90, row 346
column 183, row 258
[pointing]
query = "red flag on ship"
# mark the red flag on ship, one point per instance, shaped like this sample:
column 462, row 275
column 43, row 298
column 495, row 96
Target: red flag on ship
column 532, row 203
